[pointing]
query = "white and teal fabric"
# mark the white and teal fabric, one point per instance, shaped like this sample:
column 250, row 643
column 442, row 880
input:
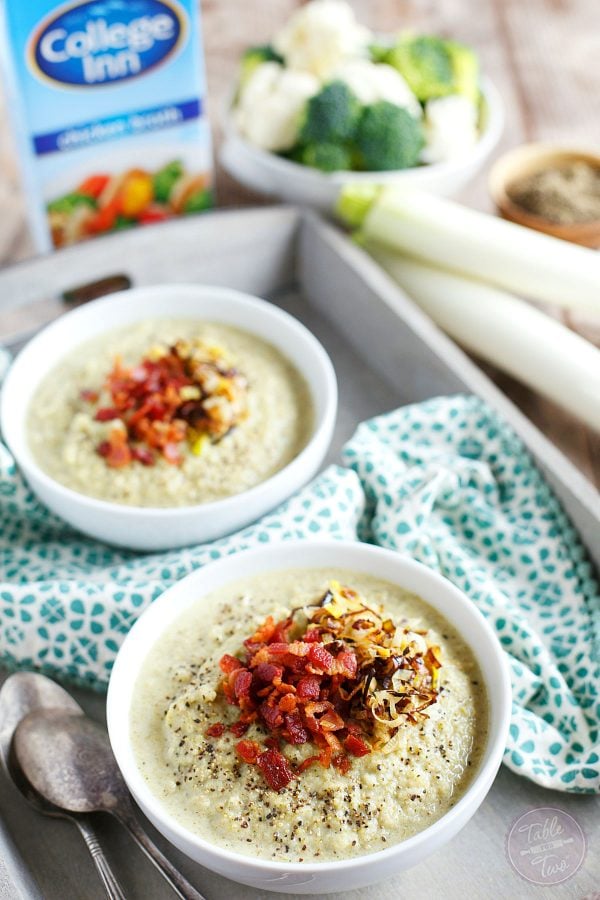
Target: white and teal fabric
column 445, row 482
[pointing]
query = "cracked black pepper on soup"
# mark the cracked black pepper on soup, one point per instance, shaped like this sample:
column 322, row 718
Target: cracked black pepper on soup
column 350, row 777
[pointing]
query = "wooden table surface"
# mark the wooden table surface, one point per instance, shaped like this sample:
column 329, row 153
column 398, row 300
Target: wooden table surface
column 541, row 54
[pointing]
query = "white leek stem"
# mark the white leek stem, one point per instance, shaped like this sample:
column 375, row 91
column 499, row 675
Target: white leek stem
column 505, row 331
column 472, row 243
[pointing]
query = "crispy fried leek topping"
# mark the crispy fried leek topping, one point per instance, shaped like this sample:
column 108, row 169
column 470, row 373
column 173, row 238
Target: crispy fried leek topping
column 397, row 675
column 336, row 675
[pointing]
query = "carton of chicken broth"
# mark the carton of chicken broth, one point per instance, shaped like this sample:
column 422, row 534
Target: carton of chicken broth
column 108, row 104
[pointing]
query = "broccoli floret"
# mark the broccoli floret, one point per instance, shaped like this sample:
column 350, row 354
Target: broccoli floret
column 254, row 57
column 425, row 63
column 388, row 137
column 379, row 53
column 295, row 154
column 327, row 157
column 465, row 70
column 331, row 116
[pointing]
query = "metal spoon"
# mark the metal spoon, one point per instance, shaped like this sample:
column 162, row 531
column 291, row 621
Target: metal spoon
column 68, row 759
column 20, row 694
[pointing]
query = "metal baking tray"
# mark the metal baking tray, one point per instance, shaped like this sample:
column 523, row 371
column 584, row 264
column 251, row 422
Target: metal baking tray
column 386, row 354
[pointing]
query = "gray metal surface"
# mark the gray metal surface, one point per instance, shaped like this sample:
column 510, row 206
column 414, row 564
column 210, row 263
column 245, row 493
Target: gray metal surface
column 386, row 353
column 408, row 351
column 16, row 880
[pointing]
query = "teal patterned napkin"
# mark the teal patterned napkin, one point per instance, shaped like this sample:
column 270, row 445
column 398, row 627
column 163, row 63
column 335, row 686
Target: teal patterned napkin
column 449, row 484
column 444, row 482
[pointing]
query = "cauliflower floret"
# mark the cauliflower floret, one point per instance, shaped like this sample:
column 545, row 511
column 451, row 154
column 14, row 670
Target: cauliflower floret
column 320, row 36
column 450, row 128
column 270, row 105
column 371, row 82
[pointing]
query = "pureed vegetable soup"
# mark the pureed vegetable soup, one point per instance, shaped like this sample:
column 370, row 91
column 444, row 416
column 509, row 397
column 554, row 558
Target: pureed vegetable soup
column 309, row 715
column 108, row 106
column 169, row 412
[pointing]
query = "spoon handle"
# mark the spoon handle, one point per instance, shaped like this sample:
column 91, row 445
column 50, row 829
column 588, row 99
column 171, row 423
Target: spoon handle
column 111, row 885
column 180, row 885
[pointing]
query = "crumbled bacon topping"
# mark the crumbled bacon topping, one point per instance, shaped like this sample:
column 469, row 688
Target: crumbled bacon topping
column 186, row 394
column 338, row 677
column 275, row 768
column 216, row 730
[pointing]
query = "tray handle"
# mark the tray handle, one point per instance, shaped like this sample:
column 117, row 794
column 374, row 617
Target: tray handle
column 92, row 290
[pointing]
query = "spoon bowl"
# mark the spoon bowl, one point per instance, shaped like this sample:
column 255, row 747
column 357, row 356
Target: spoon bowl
column 67, row 760
column 21, row 695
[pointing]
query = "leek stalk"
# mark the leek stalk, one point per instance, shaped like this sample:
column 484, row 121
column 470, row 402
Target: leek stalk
column 508, row 332
column 471, row 243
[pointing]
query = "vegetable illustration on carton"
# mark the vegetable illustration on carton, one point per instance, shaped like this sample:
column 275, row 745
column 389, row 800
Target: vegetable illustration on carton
column 108, row 110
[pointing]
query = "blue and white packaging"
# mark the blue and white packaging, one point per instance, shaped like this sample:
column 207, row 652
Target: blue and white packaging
column 107, row 99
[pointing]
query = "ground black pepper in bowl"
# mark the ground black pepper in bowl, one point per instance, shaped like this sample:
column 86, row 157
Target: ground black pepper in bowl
column 567, row 195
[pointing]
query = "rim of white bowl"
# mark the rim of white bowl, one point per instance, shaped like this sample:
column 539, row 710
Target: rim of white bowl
column 499, row 708
column 322, row 429
column 493, row 128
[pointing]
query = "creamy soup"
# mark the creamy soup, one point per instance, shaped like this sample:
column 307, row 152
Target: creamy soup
column 169, row 412
column 401, row 780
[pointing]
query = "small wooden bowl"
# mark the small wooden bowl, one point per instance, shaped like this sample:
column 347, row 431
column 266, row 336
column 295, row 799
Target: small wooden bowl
column 526, row 160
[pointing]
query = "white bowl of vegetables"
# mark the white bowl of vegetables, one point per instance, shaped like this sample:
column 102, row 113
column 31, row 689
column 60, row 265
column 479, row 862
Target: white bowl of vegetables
column 328, row 102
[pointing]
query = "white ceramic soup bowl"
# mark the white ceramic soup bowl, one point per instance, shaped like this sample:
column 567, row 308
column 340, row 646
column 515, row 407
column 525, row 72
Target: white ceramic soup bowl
column 311, row 878
column 293, row 182
column 154, row 528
